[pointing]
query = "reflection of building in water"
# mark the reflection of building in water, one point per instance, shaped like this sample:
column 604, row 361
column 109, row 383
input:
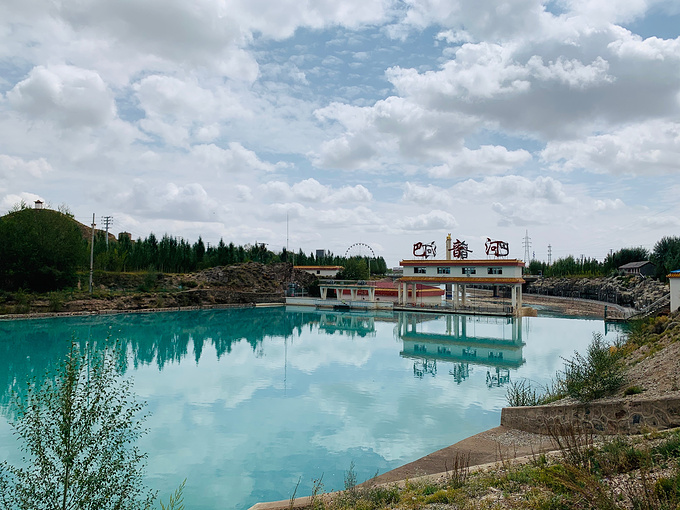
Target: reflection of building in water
column 424, row 367
column 460, row 372
column 347, row 323
column 461, row 345
column 501, row 377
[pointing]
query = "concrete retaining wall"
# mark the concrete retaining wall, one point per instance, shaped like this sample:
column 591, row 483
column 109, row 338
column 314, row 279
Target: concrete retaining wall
column 619, row 416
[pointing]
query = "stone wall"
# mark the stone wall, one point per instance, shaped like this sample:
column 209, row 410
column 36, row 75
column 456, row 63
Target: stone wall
column 628, row 415
column 630, row 291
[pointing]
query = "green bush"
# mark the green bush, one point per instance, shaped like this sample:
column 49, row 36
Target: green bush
column 597, row 374
column 633, row 390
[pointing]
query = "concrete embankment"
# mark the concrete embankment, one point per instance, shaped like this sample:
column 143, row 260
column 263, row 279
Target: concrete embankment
column 628, row 415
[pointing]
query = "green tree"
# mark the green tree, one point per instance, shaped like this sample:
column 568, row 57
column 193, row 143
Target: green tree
column 40, row 250
column 624, row 256
column 666, row 256
column 78, row 428
column 355, row 268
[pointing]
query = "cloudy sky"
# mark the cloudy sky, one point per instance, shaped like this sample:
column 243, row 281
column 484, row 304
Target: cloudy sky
column 384, row 122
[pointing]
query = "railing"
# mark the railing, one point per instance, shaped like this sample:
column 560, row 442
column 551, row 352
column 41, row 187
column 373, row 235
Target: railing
column 653, row 308
column 488, row 308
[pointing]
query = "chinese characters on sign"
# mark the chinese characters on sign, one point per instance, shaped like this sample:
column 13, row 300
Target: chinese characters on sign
column 460, row 250
column 496, row 248
column 425, row 250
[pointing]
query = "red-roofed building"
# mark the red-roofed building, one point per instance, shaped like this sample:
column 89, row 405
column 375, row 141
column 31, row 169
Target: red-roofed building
column 388, row 290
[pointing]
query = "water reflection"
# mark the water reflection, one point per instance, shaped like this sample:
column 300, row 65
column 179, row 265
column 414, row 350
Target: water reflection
column 245, row 402
column 461, row 344
column 32, row 348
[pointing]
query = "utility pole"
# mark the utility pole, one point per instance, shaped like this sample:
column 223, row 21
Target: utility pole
column 549, row 254
column 108, row 221
column 92, row 253
column 527, row 246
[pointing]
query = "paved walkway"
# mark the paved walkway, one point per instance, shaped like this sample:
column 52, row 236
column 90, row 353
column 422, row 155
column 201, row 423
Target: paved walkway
column 497, row 444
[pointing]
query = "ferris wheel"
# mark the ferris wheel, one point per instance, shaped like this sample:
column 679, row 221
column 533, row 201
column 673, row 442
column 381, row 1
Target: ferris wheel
column 359, row 250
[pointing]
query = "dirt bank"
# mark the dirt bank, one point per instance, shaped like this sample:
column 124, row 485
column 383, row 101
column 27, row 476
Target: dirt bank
column 238, row 284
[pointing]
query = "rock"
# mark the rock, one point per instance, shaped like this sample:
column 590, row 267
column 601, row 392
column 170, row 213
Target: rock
column 631, row 291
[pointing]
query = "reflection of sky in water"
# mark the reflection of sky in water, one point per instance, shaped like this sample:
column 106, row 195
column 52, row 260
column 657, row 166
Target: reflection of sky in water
column 245, row 402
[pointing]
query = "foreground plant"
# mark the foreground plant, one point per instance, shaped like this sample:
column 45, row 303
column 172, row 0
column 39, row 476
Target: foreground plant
column 78, row 430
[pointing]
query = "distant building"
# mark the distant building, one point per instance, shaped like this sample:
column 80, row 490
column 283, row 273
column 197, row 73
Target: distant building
column 321, row 271
column 644, row 268
column 121, row 235
column 674, row 280
column 38, row 204
column 320, row 254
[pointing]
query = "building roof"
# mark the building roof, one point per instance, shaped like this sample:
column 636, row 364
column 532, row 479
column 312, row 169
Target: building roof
column 462, row 279
column 674, row 274
column 462, row 262
column 319, row 268
column 635, row 265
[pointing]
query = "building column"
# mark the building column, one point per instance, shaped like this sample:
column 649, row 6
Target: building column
column 371, row 294
column 513, row 295
column 463, row 294
column 353, row 294
column 324, row 292
column 519, row 296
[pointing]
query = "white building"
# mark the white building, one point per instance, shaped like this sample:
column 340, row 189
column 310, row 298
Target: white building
column 321, row 271
column 674, row 280
column 460, row 273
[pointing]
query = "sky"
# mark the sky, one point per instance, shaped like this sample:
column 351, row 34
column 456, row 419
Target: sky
column 323, row 124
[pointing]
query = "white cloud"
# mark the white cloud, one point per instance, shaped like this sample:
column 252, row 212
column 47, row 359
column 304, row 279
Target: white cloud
column 647, row 148
column 515, row 187
column 487, row 159
column 11, row 166
column 190, row 202
column 69, row 96
column 652, row 48
column 311, row 190
column 235, row 159
column 434, row 220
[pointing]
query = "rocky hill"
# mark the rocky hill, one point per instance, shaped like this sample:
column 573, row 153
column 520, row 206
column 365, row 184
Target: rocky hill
column 238, row 284
column 630, row 291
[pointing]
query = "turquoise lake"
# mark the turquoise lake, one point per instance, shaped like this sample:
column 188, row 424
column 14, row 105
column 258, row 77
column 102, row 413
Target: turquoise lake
column 246, row 402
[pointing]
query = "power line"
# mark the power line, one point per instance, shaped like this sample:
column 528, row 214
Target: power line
column 527, row 246
column 108, row 221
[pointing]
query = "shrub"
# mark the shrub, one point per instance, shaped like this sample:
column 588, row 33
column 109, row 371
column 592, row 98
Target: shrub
column 597, row 374
column 633, row 390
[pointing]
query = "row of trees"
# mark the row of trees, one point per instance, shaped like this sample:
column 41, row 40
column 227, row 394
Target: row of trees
column 665, row 256
column 43, row 249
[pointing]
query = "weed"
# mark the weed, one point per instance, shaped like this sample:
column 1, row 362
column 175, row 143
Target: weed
column 460, row 470
column 668, row 489
column 23, row 301
column 292, row 497
column 55, row 301
column 317, row 492
column 441, row 496
column 633, row 390
column 520, row 393
column 150, row 281
column 670, row 448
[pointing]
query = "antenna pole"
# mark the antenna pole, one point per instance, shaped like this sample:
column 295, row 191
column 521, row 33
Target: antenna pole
column 92, row 253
